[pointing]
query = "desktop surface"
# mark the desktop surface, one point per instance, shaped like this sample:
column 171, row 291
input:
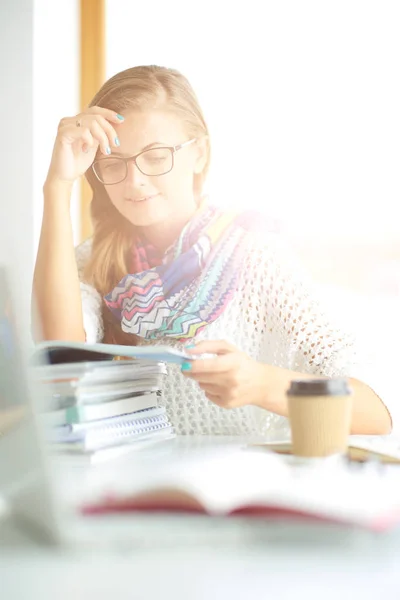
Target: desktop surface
column 193, row 556
column 259, row 572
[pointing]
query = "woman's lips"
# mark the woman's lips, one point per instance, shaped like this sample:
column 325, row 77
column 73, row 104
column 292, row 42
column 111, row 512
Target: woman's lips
column 142, row 199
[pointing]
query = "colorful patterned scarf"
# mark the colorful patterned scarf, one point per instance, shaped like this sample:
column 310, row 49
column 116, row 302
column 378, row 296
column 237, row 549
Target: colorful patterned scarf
column 180, row 293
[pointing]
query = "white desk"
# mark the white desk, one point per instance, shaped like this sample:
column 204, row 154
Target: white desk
column 194, row 557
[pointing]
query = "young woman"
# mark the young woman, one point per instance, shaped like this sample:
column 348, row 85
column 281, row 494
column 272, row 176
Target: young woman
column 165, row 266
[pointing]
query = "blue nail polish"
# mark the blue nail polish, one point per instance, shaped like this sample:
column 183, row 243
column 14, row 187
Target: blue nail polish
column 108, row 150
column 186, row 366
column 117, row 141
column 120, row 117
column 189, row 346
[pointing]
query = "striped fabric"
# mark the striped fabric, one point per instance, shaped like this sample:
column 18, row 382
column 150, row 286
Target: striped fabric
column 179, row 294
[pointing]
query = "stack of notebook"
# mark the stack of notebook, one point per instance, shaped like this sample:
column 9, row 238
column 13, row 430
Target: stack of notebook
column 92, row 405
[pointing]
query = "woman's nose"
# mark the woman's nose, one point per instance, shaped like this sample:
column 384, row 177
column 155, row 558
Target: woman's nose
column 134, row 176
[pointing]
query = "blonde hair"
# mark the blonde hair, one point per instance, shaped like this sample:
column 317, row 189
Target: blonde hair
column 113, row 236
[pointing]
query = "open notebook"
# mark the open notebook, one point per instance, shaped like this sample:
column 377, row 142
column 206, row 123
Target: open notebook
column 384, row 448
column 264, row 484
column 56, row 352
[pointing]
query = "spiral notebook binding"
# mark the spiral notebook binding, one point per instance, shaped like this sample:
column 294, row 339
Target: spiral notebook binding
column 129, row 428
column 94, row 442
column 155, row 427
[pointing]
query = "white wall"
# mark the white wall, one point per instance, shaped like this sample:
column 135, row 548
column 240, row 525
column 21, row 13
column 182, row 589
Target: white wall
column 302, row 99
column 56, row 50
column 16, row 208
column 39, row 62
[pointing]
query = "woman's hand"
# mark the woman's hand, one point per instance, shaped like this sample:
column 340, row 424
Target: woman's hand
column 78, row 139
column 231, row 378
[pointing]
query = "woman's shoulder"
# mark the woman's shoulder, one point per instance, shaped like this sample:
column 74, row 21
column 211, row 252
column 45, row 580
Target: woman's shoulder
column 270, row 256
column 265, row 237
column 265, row 240
column 83, row 253
column 258, row 223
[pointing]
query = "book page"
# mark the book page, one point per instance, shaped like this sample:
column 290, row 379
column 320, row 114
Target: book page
column 154, row 353
column 222, row 483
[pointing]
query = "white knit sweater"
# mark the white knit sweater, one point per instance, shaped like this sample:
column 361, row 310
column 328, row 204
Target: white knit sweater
column 275, row 319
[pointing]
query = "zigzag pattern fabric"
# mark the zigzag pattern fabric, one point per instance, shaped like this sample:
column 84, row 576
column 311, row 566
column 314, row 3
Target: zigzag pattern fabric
column 196, row 280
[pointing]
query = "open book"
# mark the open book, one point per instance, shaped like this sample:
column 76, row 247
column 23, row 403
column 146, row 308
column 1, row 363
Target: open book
column 263, row 484
column 56, row 352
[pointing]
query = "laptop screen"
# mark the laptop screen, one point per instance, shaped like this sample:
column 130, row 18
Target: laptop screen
column 24, row 484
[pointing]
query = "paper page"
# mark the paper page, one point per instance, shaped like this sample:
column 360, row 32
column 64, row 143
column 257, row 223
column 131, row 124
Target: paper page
column 222, row 483
column 384, row 444
column 155, row 353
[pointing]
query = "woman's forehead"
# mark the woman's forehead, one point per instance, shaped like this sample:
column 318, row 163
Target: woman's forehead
column 141, row 128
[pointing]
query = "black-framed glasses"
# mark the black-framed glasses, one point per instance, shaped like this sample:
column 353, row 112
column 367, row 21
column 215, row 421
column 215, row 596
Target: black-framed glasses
column 152, row 162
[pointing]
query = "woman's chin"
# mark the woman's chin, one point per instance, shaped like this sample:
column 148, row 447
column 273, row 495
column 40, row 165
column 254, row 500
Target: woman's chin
column 142, row 214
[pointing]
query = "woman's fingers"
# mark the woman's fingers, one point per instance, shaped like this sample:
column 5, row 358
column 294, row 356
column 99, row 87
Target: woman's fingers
column 83, row 134
column 211, row 388
column 87, row 139
column 218, row 347
column 113, row 140
column 211, row 366
column 100, row 135
column 211, row 378
column 110, row 115
column 70, row 133
column 214, row 398
column 91, row 127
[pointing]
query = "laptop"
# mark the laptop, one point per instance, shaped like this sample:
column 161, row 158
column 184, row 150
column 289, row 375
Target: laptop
column 26, row 505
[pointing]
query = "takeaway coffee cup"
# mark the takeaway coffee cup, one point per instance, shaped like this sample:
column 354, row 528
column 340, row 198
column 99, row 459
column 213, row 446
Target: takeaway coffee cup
column 320, row 416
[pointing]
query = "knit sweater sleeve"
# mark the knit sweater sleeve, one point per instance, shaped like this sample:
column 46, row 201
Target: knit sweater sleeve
column 91, row 299
column 299, row 332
